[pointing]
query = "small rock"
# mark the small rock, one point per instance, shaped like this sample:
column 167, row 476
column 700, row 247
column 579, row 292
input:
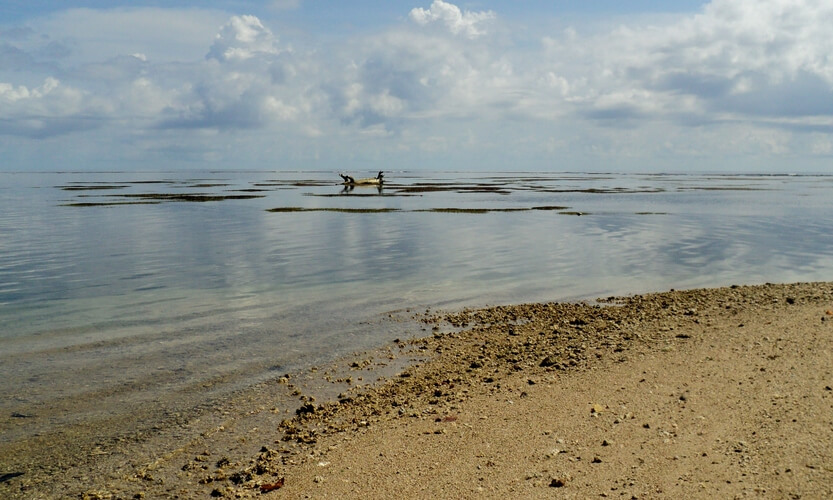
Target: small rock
column 558, row 482
column 240, row 477
column 307, row 408
column 548, row 361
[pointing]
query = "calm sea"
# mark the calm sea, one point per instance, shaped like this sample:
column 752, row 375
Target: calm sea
column 120, row 290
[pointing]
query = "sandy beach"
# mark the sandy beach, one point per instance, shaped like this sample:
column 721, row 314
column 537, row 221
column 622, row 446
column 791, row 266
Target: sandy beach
column 718, row 393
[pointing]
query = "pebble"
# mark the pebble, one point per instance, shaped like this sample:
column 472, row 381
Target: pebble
column 558, row 482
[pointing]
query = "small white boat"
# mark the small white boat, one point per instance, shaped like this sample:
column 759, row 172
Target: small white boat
column 369, row 181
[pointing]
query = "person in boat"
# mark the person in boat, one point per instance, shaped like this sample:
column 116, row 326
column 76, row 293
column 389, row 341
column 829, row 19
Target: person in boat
column 370, row 181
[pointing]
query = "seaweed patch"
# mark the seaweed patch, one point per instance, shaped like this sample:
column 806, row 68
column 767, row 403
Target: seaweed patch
column 343, row 210
column 109, row 203
column 722, row 188
column 93, row 187
column 190, row 197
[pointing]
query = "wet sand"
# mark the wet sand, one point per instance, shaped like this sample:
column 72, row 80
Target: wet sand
column 713, row 393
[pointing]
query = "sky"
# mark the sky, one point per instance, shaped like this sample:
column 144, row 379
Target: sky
column 527, row 85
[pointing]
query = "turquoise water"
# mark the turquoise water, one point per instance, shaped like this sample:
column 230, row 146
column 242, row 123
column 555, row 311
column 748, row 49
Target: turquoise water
column 117, row 289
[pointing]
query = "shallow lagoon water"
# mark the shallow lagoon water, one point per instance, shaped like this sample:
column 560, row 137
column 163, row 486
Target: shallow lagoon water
column 167, row 290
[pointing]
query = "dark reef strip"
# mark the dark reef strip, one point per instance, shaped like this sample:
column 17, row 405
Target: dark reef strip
column 98, row 187
column 431, row 188
column 110, row 204
column 603, row 190
column 343, row 210
column 722, row 188
column 194, row 197
column 357, row 195
column 449, row 210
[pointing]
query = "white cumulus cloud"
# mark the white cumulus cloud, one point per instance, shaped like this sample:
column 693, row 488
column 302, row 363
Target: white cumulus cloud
column 469, row 24
column 48, row 109
column 242, row 38
column 734, row 78
column 764, row 62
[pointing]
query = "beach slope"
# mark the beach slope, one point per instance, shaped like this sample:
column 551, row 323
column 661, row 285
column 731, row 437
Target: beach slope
column 712, row 393
column 708, row 393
